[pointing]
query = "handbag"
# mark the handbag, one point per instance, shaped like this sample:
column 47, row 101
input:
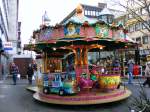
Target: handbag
column 18, row 76
column 33, row 77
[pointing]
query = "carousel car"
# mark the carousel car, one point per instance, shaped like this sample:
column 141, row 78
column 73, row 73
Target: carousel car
column 58, row 86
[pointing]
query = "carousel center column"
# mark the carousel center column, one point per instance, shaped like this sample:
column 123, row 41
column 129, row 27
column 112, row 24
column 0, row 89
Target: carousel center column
column 81, row 63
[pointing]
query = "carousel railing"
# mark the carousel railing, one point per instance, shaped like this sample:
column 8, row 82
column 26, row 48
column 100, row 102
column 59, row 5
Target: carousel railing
column 106, row 70
column 108, row 77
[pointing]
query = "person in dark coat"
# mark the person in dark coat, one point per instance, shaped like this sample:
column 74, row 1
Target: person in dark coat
column 14, row 71
column 30, row 73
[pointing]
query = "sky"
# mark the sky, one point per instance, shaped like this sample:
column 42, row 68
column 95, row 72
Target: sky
column 31, row 11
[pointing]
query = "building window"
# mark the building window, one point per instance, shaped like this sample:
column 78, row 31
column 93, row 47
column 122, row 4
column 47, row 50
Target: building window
column 130, row 16
column 145, row 39
column 86, row 12
column 93, row 13
column 104, row 18
column 132, row 28
column 138, row 40
column 143, row 25
column 97, row 13
column 89, row 13
column 143, row 11
column 137, row 12
column 137, row 26
column 133, row 39
column 110, row 19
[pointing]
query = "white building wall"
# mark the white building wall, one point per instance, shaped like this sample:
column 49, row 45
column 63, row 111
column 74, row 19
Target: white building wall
column 13, row 20
column 8, row 31
column 4, row 20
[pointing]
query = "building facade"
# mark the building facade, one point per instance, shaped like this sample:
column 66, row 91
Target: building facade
column 138, row 29
column 8, row 32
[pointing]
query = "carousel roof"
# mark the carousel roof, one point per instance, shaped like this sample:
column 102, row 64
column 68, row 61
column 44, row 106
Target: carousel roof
column 78, row 33
column 78, row 20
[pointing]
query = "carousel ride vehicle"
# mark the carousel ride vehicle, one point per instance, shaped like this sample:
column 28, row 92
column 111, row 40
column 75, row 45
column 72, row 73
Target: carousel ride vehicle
column 65, row 87
column 78, row 36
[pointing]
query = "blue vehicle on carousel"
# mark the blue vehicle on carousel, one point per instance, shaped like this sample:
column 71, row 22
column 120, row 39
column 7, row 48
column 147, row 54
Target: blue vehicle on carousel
column 59, row 86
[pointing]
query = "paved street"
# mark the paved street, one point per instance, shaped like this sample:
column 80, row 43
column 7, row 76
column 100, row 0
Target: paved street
column 15, row 98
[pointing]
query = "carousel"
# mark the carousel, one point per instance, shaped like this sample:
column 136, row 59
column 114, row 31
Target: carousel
column 68, row 77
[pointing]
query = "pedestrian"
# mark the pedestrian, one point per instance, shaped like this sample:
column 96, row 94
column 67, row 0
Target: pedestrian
column 14, row 71
column 147, row 75
column 130, row 71
column 30, row 73
column 34, row 67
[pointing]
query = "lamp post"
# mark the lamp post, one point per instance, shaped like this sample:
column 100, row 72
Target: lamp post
column 30, row 43
column 137, row 55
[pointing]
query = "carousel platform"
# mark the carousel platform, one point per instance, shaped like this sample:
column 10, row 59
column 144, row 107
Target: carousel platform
column 85, row 98
column 32, row 88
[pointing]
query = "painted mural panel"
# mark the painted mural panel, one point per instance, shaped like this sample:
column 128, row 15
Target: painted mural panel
column 45, row 35
column 119, row 35
column 89, row 32
column 102, row 31
column 71, row 30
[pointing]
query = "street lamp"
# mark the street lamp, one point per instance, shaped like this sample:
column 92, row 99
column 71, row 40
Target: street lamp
column 30, row 44
column 137, row 55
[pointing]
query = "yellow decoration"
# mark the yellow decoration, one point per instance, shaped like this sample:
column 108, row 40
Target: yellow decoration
column 79, row 9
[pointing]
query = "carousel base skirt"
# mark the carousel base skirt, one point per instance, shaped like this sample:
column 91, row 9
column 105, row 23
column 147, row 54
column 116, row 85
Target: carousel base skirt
column 84, row 98
column 32, row 88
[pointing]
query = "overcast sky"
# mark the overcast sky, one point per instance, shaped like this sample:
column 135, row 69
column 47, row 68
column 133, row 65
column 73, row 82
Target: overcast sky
column 31, row 11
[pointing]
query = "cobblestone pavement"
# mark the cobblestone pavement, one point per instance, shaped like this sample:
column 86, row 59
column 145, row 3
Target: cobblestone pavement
column 15, row 98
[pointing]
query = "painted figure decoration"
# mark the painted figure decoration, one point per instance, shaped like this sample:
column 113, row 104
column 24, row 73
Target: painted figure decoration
column 71, row 29
column 121, row 34
column 45, row 35
column 101, row 31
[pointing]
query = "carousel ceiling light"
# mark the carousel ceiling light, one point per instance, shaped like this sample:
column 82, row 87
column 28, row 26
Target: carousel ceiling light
column 100, row 47
column 54, row 48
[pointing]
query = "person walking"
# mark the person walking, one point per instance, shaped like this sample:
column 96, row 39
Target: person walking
column 147, row 75
column 30, row 73
column 130, row 71
column 35, row 73
column 14, row 71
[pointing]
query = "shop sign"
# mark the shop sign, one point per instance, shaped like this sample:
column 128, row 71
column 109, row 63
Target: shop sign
column 8, row 46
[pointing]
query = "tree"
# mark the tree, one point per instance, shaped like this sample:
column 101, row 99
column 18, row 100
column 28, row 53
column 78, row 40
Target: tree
column 138, row 9
column 137, row 16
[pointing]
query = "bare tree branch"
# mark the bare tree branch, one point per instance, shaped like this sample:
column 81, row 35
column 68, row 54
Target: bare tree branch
column 142, row 5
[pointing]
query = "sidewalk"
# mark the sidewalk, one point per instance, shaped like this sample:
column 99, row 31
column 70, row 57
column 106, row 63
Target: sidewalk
column 9, row 81
column 25, row 81
column 136, row 81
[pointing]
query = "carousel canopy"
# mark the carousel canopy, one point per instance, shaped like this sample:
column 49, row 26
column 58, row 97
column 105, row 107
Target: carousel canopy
column 80, row 30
